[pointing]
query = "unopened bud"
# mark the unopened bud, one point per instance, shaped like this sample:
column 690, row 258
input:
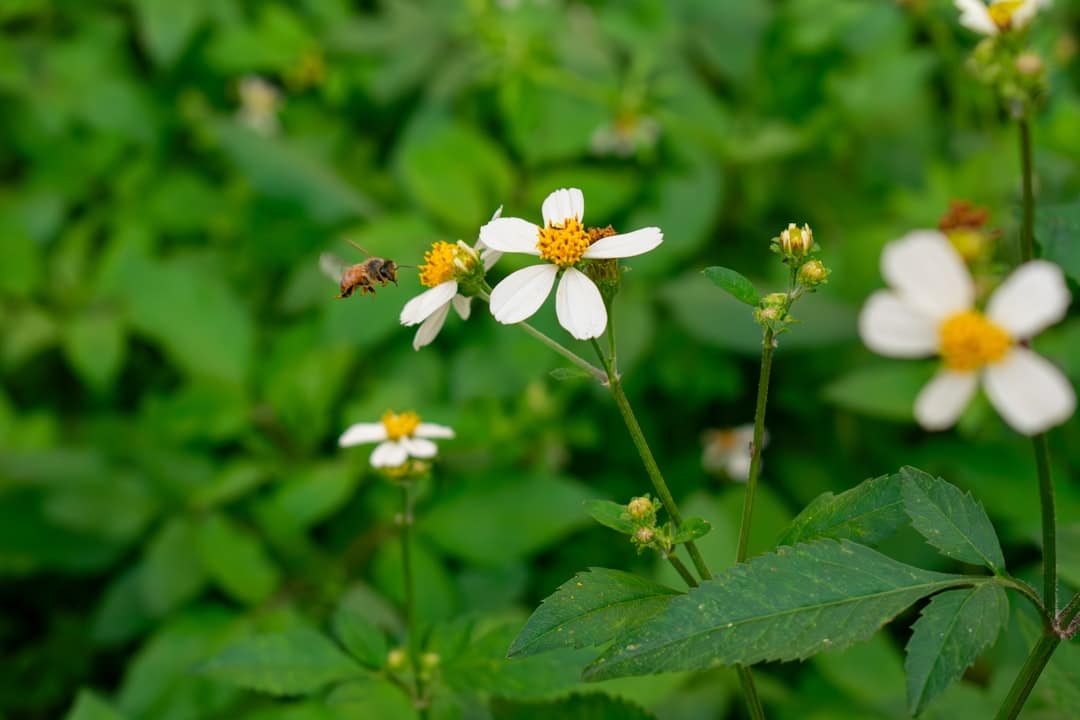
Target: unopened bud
column 430, row 660
column 639, row 508
column 396, row 659
column 796, row 242
column 1030, row 64
column 765, row 315
column 813, row 273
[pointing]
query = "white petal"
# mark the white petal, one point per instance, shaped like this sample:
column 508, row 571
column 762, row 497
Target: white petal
column 928, row 273
column 389, row 454
column 420, row 448
column 497, row 214
column 941, row 402
column 489, row 257
column 431, row 430
column 430, row 328
column 521, row 293
column 1031, row 299
column 463, row 306
column 563, row 205
column 1031, row 394
column 511, row 235
column 1024, row 14
column 579, row 305
column 889, row 326
column 975, row 16
column 738, row 466
column 633, row 243
column 423, row 305
column 361, row 433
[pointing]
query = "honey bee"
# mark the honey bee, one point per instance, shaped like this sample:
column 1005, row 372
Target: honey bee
column 363, row 276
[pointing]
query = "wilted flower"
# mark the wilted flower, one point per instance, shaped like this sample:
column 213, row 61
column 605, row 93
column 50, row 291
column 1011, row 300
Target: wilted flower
column 999, row 16
column 930, row 311
column 564, row 242
column 400, row 436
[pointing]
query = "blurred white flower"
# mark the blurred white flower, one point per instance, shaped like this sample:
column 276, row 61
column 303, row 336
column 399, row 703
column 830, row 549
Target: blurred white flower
column 930, row 311
column 260, row 102
column 400, row 436
column 563, row 242
column 728, row 451
column 999, row 16
column 625, row 136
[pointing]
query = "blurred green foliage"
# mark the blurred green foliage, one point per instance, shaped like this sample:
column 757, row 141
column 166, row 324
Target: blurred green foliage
column 174, row 370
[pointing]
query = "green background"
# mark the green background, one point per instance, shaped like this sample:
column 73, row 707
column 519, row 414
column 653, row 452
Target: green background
column 174, row 368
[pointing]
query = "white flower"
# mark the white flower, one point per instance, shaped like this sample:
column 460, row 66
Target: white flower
column 400, row 437
column 259, row 105
column 563, row 242
column 443, row 264
column 930, row 311
column 999, row 16
column 728, row 451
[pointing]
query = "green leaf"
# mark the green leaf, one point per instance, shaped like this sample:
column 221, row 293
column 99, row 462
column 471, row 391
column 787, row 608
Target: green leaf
column 735, row 283
column 867, row 513
column 570, row 373
column 88, row 706
column 885, row 391
column 166, row 26
column 951, row 520
column 359, row 635
column 295, row 662
column 370, row 697
column 594, row 706
column 948, row 636
column 94, row 345
column 236, row 560
column 590, row 609
column 171, row 572
column 786, row 605
column 692, row 528
column 611, row 515
column 1057, row 227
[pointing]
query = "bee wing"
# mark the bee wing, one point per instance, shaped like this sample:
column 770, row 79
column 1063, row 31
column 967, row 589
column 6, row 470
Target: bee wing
column 332, row 266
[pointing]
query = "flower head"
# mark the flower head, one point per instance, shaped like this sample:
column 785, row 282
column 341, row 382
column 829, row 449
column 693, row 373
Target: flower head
column 401, row 436
column 260, row 102
column 564, row 243
column 796, row 242
column 728, row 451
column 930, row 310
column 999, row 16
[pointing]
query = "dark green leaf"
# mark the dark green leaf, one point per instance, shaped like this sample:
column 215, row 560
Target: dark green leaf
column 610, row 514
column 867, row 513
column 691, row 529
column 786, row 605
column 590, row 609
column 576, row 707
column 948, row 636
column 735, row 283
column 950, row 520
column 88, row 706
column 359, row 635
column 294, row 662
column 1057, row 227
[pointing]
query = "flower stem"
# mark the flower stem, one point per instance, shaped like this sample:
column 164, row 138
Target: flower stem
column 410, row 594
column 685, row 573
column 1029, row 674
column 753, row 702
column 1027, row 226
column 1049, row 529
column 767, row 349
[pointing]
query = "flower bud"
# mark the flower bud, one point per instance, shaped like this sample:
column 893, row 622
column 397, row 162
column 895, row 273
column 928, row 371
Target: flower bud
column 812, row 274
column 640, row 508
column 1030, row 64
column 430, row 660
column 796, row 242
column 396, row 659
column 644, row 535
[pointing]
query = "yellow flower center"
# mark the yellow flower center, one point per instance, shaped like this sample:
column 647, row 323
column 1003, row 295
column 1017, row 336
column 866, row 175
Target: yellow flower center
column 969, row 340
column 438, row 265
column 1001, row 12
column 401, row 425
column 563, row 244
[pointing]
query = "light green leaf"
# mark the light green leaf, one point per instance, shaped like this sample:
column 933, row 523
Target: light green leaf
column 867, row 513
column 786, row 605
column 1056, row 228
column 885, row 391
column 692, row 528
column 236, row 560
column 590, row 609
column 166, row 26
column 94, row 345
column 294, row 662
column 948, row 636
column 359, row 635
column 88, row 706
column 594, row 706
column 171, row 572
column 951, row 520
column 734, row 283
column 611, row 515
column 371, row 697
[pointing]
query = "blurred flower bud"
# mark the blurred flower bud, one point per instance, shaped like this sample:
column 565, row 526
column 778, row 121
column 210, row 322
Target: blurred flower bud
column 812, row 274
column 430, row 660
column 396, row 659
column 1030, row 64
column 640, row 508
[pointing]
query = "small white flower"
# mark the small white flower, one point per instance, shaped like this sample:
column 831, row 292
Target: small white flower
column 400, row 437
column 930, row 311
column 563, row 242
column 259, row 105
column 728, row 451
column 999, row 16
column 443, row 264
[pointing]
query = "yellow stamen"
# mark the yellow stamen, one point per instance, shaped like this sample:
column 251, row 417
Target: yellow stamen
column 563, row 244
column 438, row 265
column 1001, row 12
column 970, row 340
column 401, row 425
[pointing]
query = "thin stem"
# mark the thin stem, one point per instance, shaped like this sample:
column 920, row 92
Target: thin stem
column 1031, row 594
column 767, row 349
column 410, row 593
column 1069, row 613
column 676, row 563
column 1029, row 675
column 1049, row 529
column 753, row 702
column 1027, row 227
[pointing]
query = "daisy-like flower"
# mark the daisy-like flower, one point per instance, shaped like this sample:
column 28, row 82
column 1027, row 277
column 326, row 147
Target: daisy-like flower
column 728, row 451
column 564, row 243
column 446, row 266
column 400, row 436
column 930, row 310
column 999, row 16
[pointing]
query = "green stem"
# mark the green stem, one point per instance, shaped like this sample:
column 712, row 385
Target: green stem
column 1031, row 594
column 1049, row 529
column 1029, row 675
column 676, row 563
column 1027, row 227
column 410, row 594
column 753, row 702
column 767, row 349
column 1069, row 613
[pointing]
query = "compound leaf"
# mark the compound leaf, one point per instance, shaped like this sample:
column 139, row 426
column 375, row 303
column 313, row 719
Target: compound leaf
column 867, row 513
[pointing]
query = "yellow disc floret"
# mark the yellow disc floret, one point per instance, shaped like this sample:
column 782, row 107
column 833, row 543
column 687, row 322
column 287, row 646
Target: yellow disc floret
column 401, row 425
column 438, row 265
column 970, row 340
column 1001, row 12
column 563, row 244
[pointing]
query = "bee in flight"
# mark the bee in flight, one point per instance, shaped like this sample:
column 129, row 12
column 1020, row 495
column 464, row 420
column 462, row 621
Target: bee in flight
column 365, row 275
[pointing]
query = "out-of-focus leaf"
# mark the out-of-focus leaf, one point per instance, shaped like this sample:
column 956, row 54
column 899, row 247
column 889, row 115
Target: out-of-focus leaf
column 371, row 697
column 576, row 707
column 1056, row 229
column 867, row 513
column 94, row 345
column 166, row 26
column 870, row 673
column 236, row 560
column 316, row 493
column 171, row 573
column 359, row 635
column 883, row 391
column 88, row 706
column 436, row 597
column 20, row 260
column 736, row 284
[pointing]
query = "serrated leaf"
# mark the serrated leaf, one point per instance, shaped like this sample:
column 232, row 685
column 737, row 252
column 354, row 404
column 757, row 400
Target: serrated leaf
column 590, row 609
column 610, row 515
column 595, row 706
column 950, row 520
column 736, row 284
column 236, row 560
column 786, row 605
column 295, row 662
column 948, row 636
column 359, row 635
column 691, row 529
column 867, row 513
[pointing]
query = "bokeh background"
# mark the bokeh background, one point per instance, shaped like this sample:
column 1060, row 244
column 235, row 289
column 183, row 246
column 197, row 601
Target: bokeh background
column 174, row 368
